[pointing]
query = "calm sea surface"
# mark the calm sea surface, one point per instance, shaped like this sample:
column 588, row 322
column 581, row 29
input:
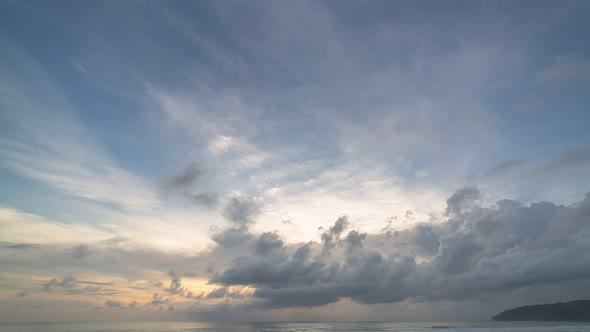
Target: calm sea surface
column 296, row 327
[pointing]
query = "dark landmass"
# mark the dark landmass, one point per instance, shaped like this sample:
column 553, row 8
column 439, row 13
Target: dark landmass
column 574, row 311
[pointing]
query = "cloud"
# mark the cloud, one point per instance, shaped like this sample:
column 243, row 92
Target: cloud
column 22, row 294
column 240, row 210
column 355, row 239
column 74, row 286
column 18, row 246
column 474, row 251
column 208, row 200
column 80, row 251
column 222, row 144
column 285, row 127
column 232, row 237
column 267, row 242
column 185, row 182
column 175, row 284
column 504, row 167
column 224, row 293
column 52, row 147
column 191, row 175
column 157, row 300
column 23, row 228
column 333, row 233
column 67, row 282
column 114, row 304
column 462, row 200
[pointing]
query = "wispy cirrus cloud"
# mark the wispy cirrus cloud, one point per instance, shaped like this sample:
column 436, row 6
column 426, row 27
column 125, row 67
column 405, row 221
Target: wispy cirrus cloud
column 55, row 149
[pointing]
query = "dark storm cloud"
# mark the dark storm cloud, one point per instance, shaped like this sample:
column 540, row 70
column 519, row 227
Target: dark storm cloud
column 475, row 250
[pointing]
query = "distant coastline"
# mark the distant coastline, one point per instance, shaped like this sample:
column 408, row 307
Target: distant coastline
column 573, row 311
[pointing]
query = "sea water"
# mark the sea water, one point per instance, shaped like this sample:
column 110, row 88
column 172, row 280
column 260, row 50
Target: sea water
column 298, row 327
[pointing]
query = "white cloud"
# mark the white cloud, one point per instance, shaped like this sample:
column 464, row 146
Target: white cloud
column 79, row 169
column 368, row 197
column 51, row 146
column 221, row 144
column 21, row 227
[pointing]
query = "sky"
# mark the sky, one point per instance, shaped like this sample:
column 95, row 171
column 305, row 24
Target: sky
column 292, row 160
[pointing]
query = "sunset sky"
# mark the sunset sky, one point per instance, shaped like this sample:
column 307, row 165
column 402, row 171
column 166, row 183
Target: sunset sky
column 292, row 160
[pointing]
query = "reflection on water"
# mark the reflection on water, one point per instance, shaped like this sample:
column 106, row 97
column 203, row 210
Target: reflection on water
column 297, row 327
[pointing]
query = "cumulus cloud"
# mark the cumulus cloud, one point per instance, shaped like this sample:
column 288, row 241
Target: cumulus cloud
column 267, row 242
column 241, row 210
column 355, row 239
column 462, row 199
column 333, row 233
column 474, row 250
column 232, row 237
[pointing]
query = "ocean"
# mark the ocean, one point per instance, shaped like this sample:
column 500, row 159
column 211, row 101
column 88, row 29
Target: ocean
column 298, row 327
